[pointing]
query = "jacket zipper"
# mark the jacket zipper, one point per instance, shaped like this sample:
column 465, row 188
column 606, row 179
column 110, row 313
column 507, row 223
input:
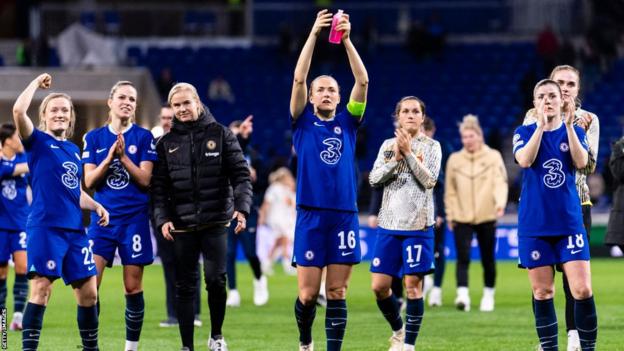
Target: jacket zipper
column 472, row 190
column 194, row 174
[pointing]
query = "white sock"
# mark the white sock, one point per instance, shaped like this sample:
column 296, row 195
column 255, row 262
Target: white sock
column 132, row 345
column 407, row 347
column 488, row 292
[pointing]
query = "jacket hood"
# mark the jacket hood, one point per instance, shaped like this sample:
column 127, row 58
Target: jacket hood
column 484, row 151
column 204, row 119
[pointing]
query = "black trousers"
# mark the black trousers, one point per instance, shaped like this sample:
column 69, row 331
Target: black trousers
column 486, row 236
column 212, row 245
column 167, row 258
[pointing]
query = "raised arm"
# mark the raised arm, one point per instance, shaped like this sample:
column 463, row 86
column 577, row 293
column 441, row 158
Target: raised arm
column 23, row 123
column 360, row 88
column 299, row 96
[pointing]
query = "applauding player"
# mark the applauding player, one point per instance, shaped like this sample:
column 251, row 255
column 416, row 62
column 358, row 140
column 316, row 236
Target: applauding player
column 551, row 151
column 407, row 167
column 118, row 161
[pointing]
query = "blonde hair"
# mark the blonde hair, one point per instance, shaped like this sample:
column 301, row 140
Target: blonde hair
column 119, row 84
column 72, row 114
column 186, row 87
column 577, row 100
column 471, row 122
column 279, row 175
column 319, row 77
column 113, row 90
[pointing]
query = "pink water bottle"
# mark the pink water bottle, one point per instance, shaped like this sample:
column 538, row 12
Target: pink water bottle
column 335, row 36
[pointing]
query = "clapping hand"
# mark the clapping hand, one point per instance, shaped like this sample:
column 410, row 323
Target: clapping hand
column 120, row 149
column 404, row 141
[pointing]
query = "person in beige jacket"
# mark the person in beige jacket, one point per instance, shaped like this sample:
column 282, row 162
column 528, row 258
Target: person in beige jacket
column 475, row 197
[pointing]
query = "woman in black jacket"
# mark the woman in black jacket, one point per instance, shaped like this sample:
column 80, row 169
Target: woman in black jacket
column 200, row 183
column 615, row 228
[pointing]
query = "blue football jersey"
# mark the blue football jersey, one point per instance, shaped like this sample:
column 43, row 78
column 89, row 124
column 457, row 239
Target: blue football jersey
column 549, row 202
column 326, row 177
column 121, row 196
column 55, row 179
column 14, row 208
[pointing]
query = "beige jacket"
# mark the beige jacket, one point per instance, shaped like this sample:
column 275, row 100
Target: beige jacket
column 475, row 186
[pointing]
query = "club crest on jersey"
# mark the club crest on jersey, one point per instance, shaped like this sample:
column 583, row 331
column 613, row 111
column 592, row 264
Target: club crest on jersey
column 564, row 147
column 337, row 130
column 211, row 145
column 132, row 149
column 388, row 155
column 8, row 189
column 535, row 255
column 376, row 262
column 51, row 264
column 309, row 255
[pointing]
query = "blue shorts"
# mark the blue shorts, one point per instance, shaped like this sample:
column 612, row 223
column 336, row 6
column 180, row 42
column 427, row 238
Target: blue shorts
column 324, row 237
column 56, row 252
column 11, row 241
column 550, row 250
column 399, row 255
column 133, row 241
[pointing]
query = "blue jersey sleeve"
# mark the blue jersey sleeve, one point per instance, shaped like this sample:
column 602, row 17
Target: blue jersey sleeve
column 296, row 122
column 347, row 119
column 88, row 151
column 6, row 168
column 580, row 133
column 521, row 137
column 30, row 143
column 148, row 148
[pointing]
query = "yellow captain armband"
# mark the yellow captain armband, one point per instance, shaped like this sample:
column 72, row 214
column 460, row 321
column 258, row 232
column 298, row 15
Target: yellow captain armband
column 356, row 108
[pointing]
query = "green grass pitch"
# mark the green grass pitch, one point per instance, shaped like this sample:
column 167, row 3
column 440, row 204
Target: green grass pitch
column 272, row 327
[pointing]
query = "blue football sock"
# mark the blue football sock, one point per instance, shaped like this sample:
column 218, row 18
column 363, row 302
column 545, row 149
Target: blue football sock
column 546, row 324
column 335, row 323
column 135, row 310
column 586, row 323
column 413, row 318
column 32, row 322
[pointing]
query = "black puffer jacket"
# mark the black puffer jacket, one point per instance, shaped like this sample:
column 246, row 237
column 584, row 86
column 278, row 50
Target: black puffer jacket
column 201, row 176
column 615, row 227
